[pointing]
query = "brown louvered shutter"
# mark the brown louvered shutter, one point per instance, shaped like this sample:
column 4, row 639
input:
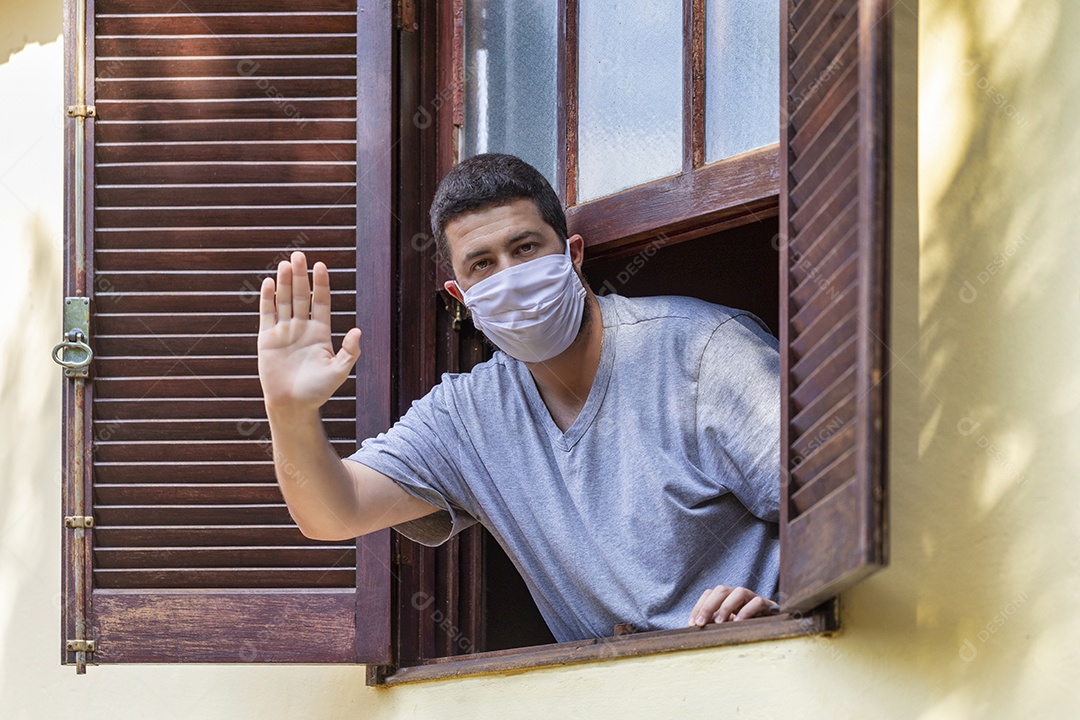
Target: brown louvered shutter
column 833, row 223
column 225, row 137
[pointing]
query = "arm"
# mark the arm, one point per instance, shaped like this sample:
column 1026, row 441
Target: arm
column 328, row 498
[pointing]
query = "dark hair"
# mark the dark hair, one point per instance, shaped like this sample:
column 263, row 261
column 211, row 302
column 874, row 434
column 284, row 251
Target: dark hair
column 489, row 180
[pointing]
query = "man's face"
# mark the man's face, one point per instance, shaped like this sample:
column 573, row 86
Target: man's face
column 488, row 241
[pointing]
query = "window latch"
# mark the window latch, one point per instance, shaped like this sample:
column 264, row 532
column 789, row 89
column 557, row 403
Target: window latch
column 73, row 353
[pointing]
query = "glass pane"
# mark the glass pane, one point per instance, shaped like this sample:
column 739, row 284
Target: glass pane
column 510, row 75
column 742, row 76
column 630, row 80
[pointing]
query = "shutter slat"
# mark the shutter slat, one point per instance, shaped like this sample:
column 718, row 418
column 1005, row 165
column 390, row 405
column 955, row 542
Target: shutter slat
column 243, row 300
column 807, row 416
column 226, row 67
column 123, row 217
column 154, row 515
column 150, row 471
column 808, row 372
column 833, row 210
column 205, row 282
column 837, row 234
column 845, row 139
column 220, row 130
column 810, row 461
column 240, row 46
column 821, row 43
column 191, row 493
column 834, row 266
column 211, row 535
column 822, row 328
column 226, row 151
column 339, row 260
column 251, row 172
column 185, row 323
column 194, row 239
column 196, row 451
column 204, row 7
column 263, row 23
column 226, row 429
column 828, row 289
column 185, row 557
column 271, row 107
column 232, row 88
column 234, row 577
column 231, row 194
column 820, row 427
column 204, row 408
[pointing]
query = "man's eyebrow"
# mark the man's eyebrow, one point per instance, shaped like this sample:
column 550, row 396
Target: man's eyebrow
column 520, row 236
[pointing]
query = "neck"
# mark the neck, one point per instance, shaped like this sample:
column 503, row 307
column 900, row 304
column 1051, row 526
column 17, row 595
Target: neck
column 564, row 381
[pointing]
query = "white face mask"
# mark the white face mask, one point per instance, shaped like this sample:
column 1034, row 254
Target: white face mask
column 531, row 311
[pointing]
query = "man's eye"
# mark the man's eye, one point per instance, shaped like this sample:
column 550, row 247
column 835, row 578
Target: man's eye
column 480, row 264
column 526, row 247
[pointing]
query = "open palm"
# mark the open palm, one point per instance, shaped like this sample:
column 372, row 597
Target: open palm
column 297, row 363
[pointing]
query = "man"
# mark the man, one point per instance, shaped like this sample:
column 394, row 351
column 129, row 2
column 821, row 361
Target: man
column 624, row 452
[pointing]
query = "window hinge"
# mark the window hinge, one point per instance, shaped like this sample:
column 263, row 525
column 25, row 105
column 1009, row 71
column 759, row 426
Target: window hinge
column 84, row 111
column 80, row 646
column 79, row 521
column 76, row 338
column 406, row 15
column 453, row 306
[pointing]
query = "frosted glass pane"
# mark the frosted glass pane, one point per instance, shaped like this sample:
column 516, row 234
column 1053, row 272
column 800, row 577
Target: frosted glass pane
column 742, row 76
column 510, row 76
column 629, row 93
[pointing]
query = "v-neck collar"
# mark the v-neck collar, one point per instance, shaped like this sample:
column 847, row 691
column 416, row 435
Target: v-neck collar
column 559, row 439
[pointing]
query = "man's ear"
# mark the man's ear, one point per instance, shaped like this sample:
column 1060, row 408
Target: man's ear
column 577, row 250
column 452, row 288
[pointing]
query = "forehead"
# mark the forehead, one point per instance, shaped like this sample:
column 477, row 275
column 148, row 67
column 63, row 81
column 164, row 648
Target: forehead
column 494, row 225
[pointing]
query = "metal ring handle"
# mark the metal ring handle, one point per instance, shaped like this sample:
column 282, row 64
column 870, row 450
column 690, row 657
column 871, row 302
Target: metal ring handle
column 74, row 342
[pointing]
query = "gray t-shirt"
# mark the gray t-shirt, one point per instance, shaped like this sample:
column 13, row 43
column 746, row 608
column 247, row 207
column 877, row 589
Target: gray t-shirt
column 666, row 484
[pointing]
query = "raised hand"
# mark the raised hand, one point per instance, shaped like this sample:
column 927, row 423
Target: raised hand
column 298, row 367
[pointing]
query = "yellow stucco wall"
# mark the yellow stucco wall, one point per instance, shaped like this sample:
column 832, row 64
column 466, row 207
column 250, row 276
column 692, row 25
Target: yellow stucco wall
column 977, row 615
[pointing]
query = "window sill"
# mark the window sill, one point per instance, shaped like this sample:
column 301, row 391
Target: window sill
column 823, row 620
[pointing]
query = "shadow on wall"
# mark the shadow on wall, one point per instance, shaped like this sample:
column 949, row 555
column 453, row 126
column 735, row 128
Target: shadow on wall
column 25, row 22
column 984, row 387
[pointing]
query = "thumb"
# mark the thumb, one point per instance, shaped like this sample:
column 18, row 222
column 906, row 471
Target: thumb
column 350, row 349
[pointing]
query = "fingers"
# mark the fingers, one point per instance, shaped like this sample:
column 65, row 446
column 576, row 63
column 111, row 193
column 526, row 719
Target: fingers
column 320, row 301
column 708, row 603
column 267, row 313
column 284, row 291
column 757, row 606
column 733, row 603
column 724, row 603
column 301, row 290
column 350, row 350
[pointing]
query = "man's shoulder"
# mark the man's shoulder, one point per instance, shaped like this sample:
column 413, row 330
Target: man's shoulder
column 493, row 373
column 678, row 312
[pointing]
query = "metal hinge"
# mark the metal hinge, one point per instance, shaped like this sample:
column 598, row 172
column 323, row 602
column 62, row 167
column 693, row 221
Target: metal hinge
column 406, row 15
column 76, row 338
column 79, row 521
column 80, row 646
column 457, row 311
column 84, row 111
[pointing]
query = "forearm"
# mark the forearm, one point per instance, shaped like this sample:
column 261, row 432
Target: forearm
column 317, row 488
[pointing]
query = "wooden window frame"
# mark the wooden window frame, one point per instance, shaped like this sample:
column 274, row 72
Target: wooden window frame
column 702, row 199
column 397, row 303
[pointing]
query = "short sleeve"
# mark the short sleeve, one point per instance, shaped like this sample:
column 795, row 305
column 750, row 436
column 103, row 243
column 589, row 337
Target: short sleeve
column 738, row 413
column 418, row 453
